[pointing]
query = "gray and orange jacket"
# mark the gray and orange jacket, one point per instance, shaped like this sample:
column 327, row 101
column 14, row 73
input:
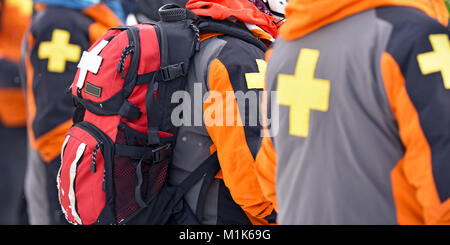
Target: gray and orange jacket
column 363, row 97
column 56, row 38
column 15, row 19
column 221, row 65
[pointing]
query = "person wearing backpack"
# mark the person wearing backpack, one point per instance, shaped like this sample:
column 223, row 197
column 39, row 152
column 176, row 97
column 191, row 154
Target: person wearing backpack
column 363, row 96
column 60, row 31
column 14, row 19
column 225, row 68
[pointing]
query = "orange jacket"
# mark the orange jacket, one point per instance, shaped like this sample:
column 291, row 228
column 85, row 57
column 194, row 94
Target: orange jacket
column 15, row 18
column 236, row 145
column 307, row 16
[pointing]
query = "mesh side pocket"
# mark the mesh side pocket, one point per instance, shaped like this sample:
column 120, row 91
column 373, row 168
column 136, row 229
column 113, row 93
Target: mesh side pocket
column 158, row 175
column 124, row 182
column 126, row 178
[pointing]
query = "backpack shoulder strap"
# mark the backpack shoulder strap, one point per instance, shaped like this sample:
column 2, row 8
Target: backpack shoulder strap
column 231, row 29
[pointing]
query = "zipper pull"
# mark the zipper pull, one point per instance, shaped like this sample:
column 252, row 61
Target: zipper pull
column 94, row 158
column 197, row 36
column 126, row 51
column 104, row 180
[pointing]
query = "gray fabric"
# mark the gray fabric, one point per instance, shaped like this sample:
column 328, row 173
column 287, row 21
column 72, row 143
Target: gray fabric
column 35, row 190
column 41, row 191
column 340, row 173
column 13, row 145
column 193, row 142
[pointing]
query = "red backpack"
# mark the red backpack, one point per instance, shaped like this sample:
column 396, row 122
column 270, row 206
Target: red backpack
column 115, row 158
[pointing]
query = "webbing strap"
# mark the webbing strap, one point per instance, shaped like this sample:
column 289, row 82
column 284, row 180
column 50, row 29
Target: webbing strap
column 209, row 167
column 106, row 108
column 165, row 74
column 157, row 155
column 129, row 111
column 208, row 178
column 116, row 105
column 144, row 152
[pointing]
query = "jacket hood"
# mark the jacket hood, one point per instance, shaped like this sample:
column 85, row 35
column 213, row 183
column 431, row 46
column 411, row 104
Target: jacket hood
column 306, row 16
column 242, row 10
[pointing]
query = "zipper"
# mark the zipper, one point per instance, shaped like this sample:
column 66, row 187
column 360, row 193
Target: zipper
column 126, row 51
column 162, row 40
column 102, row 139
column 94, row 157
column 194, row 28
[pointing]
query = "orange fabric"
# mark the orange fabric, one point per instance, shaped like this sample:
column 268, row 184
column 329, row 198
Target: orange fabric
column 39, row 6
column 208, row 35
column 261, row 35
column 306, row 16
column 256, row 221
column 236, row 160
column 102, row 14
column 212, row 149
column 242, row 10
column 14, row 23
column 31, row 107
column 49, row 144
column 12, row 107
column 268, row 53
column 266, row 168
column 219, row 175
column 408, row 209
column 104, row 19
column 415, row 166
column 266, row 159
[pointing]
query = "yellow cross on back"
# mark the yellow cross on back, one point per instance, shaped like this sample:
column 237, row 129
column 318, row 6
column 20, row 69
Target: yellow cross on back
column 303, row 93
column 58, row 51
column 256, row 80
column 438, row 60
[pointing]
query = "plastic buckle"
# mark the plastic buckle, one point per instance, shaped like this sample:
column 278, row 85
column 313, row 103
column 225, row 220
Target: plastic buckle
column 172, row 71
column 160, row 153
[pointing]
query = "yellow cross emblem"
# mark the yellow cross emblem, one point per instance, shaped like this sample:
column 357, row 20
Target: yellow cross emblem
column 256, row 80
column 58, row 51
column 303, row 93
column 438, row 60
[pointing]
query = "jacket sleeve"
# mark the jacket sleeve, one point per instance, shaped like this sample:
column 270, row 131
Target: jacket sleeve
column 266, row 169
column 15, row 20
column 418, row 90
column 236, row 141
column 12, row 101
column 266, row 159
column 54, row 50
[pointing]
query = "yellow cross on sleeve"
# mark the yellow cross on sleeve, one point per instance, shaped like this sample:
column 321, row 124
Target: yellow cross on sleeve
column 303, row 93
column 438, row 60
column 256, row 80
column 58, row 51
